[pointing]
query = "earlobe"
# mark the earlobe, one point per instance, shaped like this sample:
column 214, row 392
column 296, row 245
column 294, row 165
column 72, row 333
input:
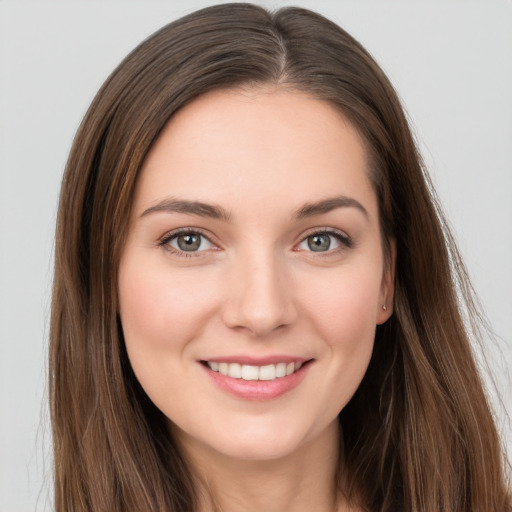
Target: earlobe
column 385, row 307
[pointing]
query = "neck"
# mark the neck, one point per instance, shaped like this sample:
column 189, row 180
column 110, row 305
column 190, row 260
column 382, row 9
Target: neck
column 302, row 481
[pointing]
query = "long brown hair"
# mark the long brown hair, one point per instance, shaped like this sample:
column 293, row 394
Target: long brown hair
column 418, row 435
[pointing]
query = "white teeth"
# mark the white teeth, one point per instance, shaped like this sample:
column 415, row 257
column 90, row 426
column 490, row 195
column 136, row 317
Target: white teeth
column 280, row 369
column 235, row 371
column 249, row 372
column 268, row 372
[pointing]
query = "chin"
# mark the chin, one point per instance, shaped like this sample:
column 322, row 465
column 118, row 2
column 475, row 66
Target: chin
column 255, row 440
column 257, row 449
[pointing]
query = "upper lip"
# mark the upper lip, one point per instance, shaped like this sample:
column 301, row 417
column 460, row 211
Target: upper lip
column 256, row 361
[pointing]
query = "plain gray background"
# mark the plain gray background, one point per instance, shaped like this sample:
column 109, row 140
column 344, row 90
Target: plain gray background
column 451, row 62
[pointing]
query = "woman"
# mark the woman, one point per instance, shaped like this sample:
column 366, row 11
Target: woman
column 256, row 301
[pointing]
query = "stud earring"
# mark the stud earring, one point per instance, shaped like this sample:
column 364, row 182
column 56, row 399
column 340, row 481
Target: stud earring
column 384, row 307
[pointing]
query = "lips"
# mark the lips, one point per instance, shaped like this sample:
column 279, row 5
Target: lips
column 251, row 379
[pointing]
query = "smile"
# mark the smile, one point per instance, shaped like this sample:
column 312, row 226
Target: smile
column 259, row 379
column 249, row 372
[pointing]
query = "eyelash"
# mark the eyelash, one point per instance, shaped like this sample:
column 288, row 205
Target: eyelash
column 341, row 237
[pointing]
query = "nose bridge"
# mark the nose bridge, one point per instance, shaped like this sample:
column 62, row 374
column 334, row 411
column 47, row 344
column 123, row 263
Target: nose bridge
column 260, row 298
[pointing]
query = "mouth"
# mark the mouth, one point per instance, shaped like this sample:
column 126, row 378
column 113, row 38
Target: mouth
column 261, row 382
column 248, row 372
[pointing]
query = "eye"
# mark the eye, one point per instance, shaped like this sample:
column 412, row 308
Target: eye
column 187, row 241
column 324, row 241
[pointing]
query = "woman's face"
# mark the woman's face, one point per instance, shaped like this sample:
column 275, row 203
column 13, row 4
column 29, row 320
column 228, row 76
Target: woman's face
column 253, row 274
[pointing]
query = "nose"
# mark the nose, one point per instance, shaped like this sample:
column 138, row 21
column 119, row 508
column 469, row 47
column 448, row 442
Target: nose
column 260, row 296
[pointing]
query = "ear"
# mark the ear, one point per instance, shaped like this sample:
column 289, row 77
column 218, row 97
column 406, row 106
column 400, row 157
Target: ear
column 387, row 288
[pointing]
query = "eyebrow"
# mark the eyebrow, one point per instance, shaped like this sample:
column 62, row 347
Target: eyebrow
column 327, row 205
column 189, row 207
column 201, row 209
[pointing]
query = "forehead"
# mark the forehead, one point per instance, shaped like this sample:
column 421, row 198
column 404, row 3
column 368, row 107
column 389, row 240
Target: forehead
column 264, row 146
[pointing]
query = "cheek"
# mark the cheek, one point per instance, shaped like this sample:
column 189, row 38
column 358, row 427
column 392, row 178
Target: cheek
column 344, row 304
column 157, row 306
column 161, row 313
column 342, row 310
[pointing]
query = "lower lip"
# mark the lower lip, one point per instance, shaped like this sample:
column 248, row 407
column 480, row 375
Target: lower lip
column 258, row 389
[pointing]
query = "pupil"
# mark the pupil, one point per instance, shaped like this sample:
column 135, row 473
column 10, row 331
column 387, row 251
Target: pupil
column 189, row 242
column 319, row 243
